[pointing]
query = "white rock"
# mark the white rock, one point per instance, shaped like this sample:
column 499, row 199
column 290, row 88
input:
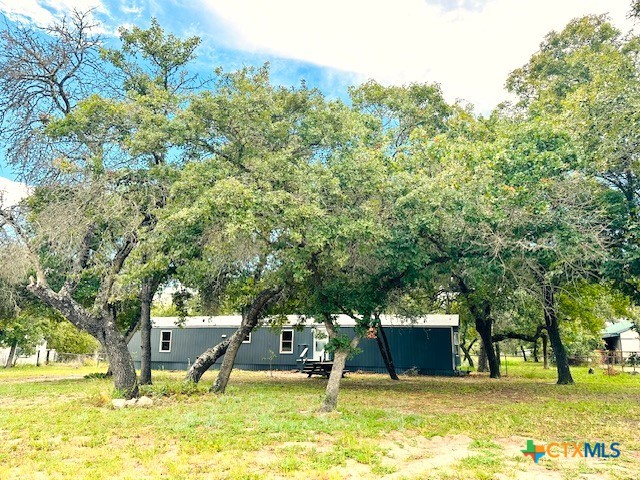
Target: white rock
column 144, row 402
column 130, row 403
column 118, row 402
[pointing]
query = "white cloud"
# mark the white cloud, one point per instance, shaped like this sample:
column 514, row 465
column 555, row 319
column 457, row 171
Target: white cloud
column 45, row 12
column 132, row 9
column 12, row 192
column 469, row 52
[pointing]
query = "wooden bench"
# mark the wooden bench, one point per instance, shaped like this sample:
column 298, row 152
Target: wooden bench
column 313, row 367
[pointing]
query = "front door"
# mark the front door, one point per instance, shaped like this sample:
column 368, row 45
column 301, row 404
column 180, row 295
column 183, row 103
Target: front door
column 320, row 339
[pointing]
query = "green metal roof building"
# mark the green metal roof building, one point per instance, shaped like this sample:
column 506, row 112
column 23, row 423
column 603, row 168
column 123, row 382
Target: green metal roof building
column 621, row 336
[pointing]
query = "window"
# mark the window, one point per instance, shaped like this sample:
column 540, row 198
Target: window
column 165, row 341
column 286, row 341
column 247, row 339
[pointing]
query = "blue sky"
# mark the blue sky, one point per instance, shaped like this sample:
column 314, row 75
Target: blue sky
column 468, row 46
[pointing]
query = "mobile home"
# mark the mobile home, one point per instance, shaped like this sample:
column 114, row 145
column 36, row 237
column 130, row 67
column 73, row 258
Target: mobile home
column 427, row 344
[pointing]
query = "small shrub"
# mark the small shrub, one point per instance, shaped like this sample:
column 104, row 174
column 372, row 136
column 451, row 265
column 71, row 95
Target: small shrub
column 383, row 469
column 412, row 372
column 100, row 399
column 484, row 444
column 171, row 389
column 97, row 376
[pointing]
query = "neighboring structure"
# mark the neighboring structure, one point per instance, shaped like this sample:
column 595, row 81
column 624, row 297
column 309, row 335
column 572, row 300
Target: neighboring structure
column 428, row 344
column 622, row 338
column 38, row 358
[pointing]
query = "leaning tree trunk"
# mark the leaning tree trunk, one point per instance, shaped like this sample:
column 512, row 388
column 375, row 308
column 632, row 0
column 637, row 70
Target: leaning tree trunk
column 12, row 354
column 205, row 361
column 385, row 352
column 147, row 291
column 102, row 327
column 553, row 329
column 467, row 353
column 330, row 402
column 333, row 385
column 235, row 343
column 249, row 321
column 483, row 327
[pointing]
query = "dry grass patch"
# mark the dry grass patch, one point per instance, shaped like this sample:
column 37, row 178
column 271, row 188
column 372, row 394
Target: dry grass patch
column 266, row 426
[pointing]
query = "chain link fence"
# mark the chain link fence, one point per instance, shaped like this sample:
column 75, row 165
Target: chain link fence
column 609, row 361
column 78, row 359
column 625, row 361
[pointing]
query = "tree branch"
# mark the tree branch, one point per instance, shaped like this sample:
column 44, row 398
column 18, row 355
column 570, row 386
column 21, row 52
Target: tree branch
column 498, row 337
column 67, row 306
column 102, row 299
column 81, row 261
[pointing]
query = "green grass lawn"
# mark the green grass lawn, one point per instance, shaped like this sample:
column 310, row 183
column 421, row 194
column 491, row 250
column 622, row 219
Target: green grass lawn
column 267, row 427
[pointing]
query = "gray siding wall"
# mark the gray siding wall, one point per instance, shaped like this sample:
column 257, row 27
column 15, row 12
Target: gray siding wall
column 188, row 343
column 429, row 350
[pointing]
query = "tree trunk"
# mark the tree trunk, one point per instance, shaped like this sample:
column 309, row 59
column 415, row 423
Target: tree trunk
column 333, row 385
column 131, row 331
column 103, row 327
column 482, row 360
column 483, row 327
column 249, row 321
column 535, row 352
column 545, row 351
column 524, row 354
column 120, row 360
column 467, row 352
column 496, row 347
column 553, row 329
column 12, row 353
column 330, row 402
column 205, row 361
column 235, row 342
column 385, row 351
column 147, row 291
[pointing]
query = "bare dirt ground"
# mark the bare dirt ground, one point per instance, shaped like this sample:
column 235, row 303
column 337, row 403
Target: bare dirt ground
column 418, row 457
column 42, row 379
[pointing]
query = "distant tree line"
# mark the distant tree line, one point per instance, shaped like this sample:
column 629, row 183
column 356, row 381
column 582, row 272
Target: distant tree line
column 270, row 200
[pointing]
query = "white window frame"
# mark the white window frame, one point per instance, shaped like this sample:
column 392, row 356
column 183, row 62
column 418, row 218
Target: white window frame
column 249, row 339
column 285, row 352
column 170, row 332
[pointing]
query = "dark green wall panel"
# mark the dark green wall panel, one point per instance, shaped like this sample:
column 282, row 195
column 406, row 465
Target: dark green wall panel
column 429, row 350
